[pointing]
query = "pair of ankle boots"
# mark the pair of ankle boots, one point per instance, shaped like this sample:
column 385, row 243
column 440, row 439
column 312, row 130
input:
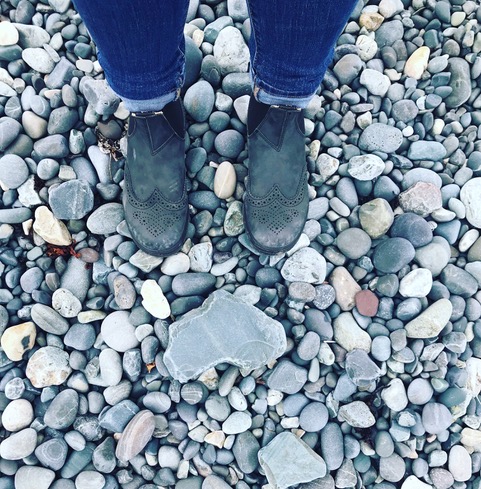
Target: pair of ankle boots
column 276, row 198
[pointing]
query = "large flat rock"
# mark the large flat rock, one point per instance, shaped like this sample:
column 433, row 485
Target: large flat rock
column 223, row 329
column 287, row 461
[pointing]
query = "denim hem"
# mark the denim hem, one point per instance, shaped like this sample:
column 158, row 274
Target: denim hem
column 146, row 86
column 152, row 104
column 265, row 96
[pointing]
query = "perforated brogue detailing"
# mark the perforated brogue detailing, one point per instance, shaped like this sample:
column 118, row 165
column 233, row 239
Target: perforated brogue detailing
column 275, row 218
column 275, row 222
column 155, row 220
column 277, row 197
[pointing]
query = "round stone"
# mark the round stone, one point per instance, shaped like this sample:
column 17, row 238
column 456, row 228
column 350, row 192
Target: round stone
column 89, row 479
column 417, row 283
column 353, row 243
column 471, row 198
column 225, row 180
column 13, row 171
column 229, row 143
column 436, row 418
column 313, row 417
column 62, row 411
column 393, row 254
column 19, row 445
column 16, row 340
column 237, row 422
column 231, row 51
column 305, row 265
column 392, row 468
column 17, row 415
column 106, row 218
column 38, row 59
column 381, row 348
column 367, row 303
column 420, row 391
column 8, row 34
column 65, row 303
column 52, row 453
column 199, row 100
column 412, row 227
column 460, row 464
column 380, row 137
column 376, row 217
column 118, row 332
column 49, row 365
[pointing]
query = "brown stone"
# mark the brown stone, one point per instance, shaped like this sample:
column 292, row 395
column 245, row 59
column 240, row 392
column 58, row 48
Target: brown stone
column 367, row 303
column 421, row 198
column 371, row 20
column 345, row 286
column 18, row 339
column 136, row 435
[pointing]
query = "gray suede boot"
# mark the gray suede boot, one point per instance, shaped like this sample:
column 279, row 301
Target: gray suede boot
column 155, row 198
column 276, row 199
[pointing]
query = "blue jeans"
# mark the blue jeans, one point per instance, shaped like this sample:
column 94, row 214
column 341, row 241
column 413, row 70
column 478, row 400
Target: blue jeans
column 141, row 47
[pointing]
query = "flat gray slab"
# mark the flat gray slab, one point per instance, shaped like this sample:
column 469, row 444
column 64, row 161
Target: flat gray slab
column 288, row 461
column 223, row 329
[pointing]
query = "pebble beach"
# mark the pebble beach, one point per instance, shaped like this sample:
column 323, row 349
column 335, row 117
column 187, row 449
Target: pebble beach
column 351, row 361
